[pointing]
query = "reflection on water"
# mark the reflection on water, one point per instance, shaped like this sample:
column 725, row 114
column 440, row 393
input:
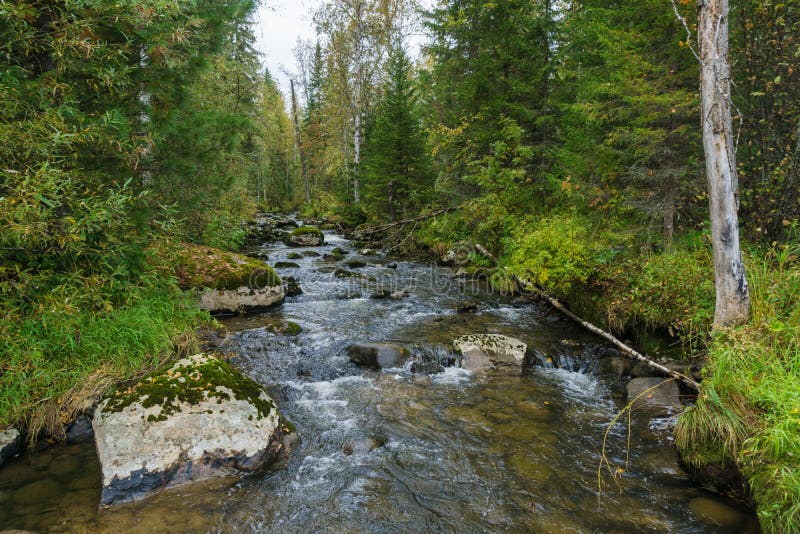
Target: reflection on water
column 393, row 451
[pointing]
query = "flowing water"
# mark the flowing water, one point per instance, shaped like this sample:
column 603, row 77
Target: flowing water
column 394, row 451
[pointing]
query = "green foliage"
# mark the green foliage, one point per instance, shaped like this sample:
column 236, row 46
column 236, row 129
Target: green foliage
column 396, row 174
column 57, row 362
column 563, row 251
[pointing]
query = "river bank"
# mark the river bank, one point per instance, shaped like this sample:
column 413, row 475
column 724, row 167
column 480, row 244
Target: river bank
column 449, row 450
column 746, row 416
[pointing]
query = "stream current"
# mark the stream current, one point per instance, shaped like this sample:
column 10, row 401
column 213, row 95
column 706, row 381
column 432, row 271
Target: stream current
column 394, row 451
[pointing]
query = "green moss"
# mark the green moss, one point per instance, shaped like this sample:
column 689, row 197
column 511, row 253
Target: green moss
column 204, row 267
column 288, row 328
column 192, row 384
column 307, row 230
column 294, row 256
column 293, row 329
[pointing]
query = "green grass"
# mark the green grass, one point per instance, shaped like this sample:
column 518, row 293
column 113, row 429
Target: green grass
column 748, row 411
column 56, row 362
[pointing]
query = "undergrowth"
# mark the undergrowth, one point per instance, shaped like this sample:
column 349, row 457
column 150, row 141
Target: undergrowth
column 57, row 363
column 748, row 412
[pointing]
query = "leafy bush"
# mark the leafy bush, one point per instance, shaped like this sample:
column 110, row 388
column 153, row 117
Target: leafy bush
column 565, row 250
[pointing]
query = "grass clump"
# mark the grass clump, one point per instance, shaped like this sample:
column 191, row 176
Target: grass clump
column 748, row 412
column 57, row 363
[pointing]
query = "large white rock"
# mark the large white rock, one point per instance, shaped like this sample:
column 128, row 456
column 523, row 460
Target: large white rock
column 199, row 419
column 491, row 351
column 244, row 299
column 9, row 444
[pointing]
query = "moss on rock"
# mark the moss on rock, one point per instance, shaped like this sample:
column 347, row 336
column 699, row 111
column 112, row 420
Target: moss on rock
column 205, row 267
column 190, row 381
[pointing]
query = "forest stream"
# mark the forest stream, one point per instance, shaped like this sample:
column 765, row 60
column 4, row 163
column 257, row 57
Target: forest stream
column 395, row 451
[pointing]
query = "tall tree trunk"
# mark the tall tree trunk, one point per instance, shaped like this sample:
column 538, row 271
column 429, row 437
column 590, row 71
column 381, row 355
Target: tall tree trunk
column 298, row 143
column 356, row 156
column 733, row 300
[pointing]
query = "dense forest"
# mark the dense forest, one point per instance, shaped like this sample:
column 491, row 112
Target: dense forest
column 564, row 137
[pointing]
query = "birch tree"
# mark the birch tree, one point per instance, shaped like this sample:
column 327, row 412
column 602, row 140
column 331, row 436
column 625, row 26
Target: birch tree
column 732, row 295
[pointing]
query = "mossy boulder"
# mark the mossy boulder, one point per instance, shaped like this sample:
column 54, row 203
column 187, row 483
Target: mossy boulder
column 306, row 236
column 286, row 265
column 228, row 282
column 198, row 419
column 356, row 264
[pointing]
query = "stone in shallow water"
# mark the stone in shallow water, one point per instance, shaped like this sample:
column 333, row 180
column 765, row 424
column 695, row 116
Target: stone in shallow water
column 63, row 466
column 199, row 419
column 718, row 513
column 662, row 399
column 377, row 355
column 37, row 492
column 491, row 351
column 9, row 444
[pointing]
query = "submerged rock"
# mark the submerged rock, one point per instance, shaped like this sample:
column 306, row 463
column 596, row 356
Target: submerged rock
column 491, row 351
column 356, row 264
column 343, row 273
column 79, row 430
column 228, row 282
column 377, row 355
column 391, row 265
column 9, row 444
column 197, row 420
column 662, row 399
column 293, row 288
column 286, row 265
column 467, row 307
column 306, row 236
column 381, row 293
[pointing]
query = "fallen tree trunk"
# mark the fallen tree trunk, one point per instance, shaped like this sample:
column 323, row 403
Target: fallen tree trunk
column 628, row 351
column 364, row 232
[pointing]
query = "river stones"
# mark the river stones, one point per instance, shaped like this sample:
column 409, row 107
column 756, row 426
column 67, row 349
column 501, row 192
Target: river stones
column 356, row 264
column 196, row 420
column 79, row 430
column 228, row 282
column 9, row 444
column 286, row 265
column 377, row 355
column 467, row 307
column 306, row 236
column 663, row 399
column 292, row 288
column 481, row 352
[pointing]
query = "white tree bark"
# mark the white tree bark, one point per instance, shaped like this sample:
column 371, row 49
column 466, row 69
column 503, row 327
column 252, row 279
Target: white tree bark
column 732, row 295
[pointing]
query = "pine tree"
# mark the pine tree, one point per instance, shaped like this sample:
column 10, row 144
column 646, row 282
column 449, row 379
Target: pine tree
column 396, row 171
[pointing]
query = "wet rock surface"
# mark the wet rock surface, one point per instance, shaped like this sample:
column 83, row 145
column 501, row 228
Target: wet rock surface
column 491, row 351
column 9, row 444
column 655, row 396
column 197, row 420
column 377, row 355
